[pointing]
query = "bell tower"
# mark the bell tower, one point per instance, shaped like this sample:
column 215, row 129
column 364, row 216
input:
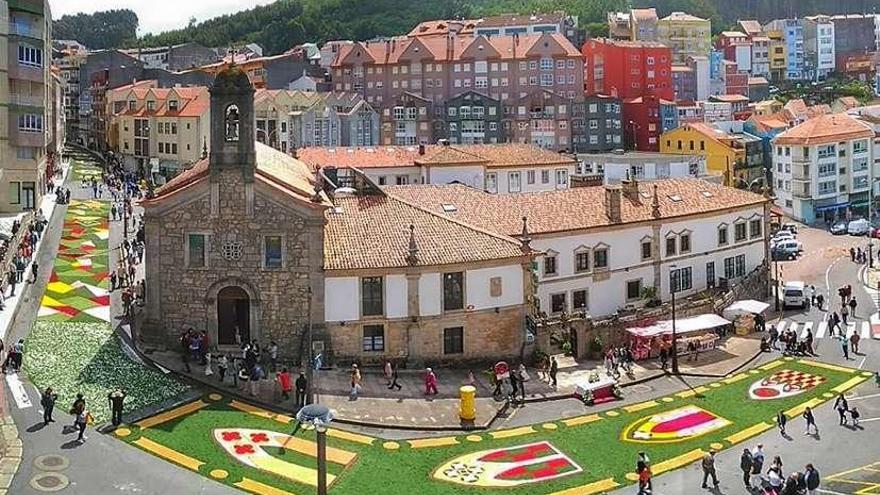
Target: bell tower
column 232, row 124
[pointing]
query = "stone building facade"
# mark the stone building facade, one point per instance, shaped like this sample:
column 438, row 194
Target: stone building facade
column 238, row 239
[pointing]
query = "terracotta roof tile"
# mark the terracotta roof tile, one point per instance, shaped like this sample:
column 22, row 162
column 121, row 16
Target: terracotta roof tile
column 644, row 14
column 364, row 232
column 825, row 129
column 573, row 209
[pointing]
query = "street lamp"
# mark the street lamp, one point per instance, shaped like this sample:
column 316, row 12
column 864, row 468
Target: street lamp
column 319, row 416
column 673, row 286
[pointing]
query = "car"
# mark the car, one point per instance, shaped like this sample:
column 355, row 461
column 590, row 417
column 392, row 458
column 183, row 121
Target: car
column 782, row 235
column 839, row 228
column 794, row 295
column 859, row 227
column 790, row 227
column 785, row 251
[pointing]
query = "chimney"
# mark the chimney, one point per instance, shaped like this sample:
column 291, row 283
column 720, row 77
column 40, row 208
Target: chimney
column 655, row 205
column 525, row 239
column 630, row 188
column 612, row 203
column 412, row 256
column 421, row 150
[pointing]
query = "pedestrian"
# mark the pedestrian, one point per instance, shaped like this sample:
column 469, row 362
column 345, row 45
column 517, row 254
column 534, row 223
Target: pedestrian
column 776, row 465
column 355, row 382
column 18, row 354
column 841, row 406
column 643, row 469
column 12, row 279
column 523, row 378
column 430, row 382
column 808, row 342
column 554, row 368
column 386, row 370
column 745, row 464
column 664, row 357
column 854, row 414
column 285, row 382
column 757, row 466
column 395, row 374
column 774, row 336
column 844, row 345
column 35, row 269
column 854, row 342
column 116, row 399
column 844, row 313
column 852, row 306
column 256, row 375
column 852, row 254
column 811, row 479
column 780, row 422
column 112, row 281
column 811, row 421
column 812, row 291
column 820, row 300
column 273, row 356
column 709, row 469
column 47, row 400
column 514, row 386
column 301, row 385
column 222, row 366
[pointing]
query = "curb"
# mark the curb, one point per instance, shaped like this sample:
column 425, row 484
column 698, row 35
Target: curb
column 11, row 446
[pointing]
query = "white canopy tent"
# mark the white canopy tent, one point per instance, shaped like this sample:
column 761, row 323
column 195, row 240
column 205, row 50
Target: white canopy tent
column 682, row 326
column 746, row 306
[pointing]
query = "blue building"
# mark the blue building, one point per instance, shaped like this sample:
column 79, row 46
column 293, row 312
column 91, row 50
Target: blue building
column 793, row 32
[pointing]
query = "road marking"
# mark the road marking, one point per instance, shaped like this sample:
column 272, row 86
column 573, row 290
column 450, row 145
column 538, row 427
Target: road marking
column 866, row 330
column 865, row 397
column 18, row 391
column 830, row 492
column 823, row 327
column 807, row 327
column 863, row 362
column 868, row 420
column 781, row 325
column 828, row 278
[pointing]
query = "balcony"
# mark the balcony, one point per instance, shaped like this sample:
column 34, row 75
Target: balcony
column 32, row 6
column 800, row 172
column 25, row 30
column 801, row 190
column 26, row 100
column 26, row 138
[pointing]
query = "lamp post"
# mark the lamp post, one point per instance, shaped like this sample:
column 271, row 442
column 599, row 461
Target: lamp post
column 871, row 254
column 673, row 287
column 319, row 416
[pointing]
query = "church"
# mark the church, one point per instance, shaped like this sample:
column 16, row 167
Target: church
column 249, row 244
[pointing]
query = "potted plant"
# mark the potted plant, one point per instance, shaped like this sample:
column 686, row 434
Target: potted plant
column 649, row 295
column 596, row 348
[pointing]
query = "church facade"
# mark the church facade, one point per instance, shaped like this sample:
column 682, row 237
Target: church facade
column 235, row 244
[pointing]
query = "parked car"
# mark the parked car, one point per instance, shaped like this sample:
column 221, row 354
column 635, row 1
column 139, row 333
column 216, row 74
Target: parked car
column 789, row 227
column 785, row 251
column 839, row 228
column 859, row 227
column 794, row 295
column 782, row 235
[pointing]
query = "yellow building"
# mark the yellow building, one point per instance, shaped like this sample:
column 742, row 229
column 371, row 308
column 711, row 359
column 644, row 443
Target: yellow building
column 686, row 35
column 27, row 119
column 724, row 152
column 160, row 130
column 778, row 55
column 767, row 107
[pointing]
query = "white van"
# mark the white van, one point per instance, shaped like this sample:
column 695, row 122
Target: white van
column 794, row 294
column 859, row 227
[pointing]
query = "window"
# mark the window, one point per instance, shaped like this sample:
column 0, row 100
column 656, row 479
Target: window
column 453, row 340
column 561, row 177
column 739, row 232
column 196, row 249
column 710, row 274
column 582, row 261
column 272, row 257
column 579, row 300
column 546, row 63
column 646, row 250
column 740, row 262
column 670, row 246
column 545, row 176
column 172, row 105
column 530, row 176
column 30, row 123
column 492, row 182
column 729, row 271
column 633, row 290
column 600, row 258
column 557, row 303
column 513, row 182
column 372, row 296
column 755, row 228
column 550, row 264
column 684, row 243
column 722, row 236
column 681, row 279
column 30, row 56
column 14, row 193
column 453, row 291
column 374, row 338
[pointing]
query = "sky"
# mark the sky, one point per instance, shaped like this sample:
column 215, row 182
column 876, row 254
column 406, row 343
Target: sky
column 157, row 15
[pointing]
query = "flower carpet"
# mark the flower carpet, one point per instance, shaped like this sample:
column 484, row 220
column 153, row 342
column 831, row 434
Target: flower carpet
column 252, row 449
column 72, row 347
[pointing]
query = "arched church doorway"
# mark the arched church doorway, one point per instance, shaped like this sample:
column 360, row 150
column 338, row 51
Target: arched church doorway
column 233, row 316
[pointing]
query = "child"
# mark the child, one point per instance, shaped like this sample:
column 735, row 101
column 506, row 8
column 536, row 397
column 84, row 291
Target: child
column 854, row 412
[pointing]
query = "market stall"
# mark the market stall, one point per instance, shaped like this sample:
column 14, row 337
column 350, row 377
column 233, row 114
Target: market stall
column 702, row 331
column 747, row 315
column 596, row 388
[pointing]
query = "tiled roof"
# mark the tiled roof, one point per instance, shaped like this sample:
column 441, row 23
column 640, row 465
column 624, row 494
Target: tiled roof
column 732, row 98
column 733, row 34
column 682, row 16
column 489, row 155
column 364, row 232
column 848, row 101
column 192, row 101
column 274, row 168
column 629, row 43
column 817, row 110
column 796, row 106
column 770, row 122
column 644, row 14
column 825, row 129
column 754, row 81
column 751, row 26
column 467, row 26
column 575, row 209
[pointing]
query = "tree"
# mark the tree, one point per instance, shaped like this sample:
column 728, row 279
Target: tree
column 107, row 29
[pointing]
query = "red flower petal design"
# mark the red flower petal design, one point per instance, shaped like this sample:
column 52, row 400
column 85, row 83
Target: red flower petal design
column 229, row 436
column 259, row 437
column 244, row 449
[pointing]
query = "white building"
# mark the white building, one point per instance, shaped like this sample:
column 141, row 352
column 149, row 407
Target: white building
column 761, row 56
column 822, row 168
column 601, row 246
column 614, row 168
column 819, row 47
column 716, row 111
column 496, row 168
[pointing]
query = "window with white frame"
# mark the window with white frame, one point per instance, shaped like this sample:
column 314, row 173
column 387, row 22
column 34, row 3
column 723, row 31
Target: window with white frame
column 756, row 227
column 582, row 260
column 739, row 232
column 550, row 268
column 30, row 56
column 600, row 258
column 546, row 63
column 530, row 177
column 681, row 279
column 827, row 187
column 561, row 177
column 580, row 300
column 492, row 182
column 514, row 183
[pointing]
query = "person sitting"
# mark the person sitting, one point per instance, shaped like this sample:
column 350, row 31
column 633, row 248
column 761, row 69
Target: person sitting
column 765, row 346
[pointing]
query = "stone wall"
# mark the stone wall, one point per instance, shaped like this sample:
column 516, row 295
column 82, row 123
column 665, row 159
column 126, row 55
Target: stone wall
column 179, row 297
column 487, row 336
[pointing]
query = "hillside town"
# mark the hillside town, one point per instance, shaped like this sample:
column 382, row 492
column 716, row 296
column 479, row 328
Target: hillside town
column 515, row 253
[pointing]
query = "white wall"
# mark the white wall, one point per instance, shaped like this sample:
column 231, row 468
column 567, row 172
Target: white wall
column 341, row 297
column 477, row 287
column 396, row 305
column 430, row 294
column 551, row 185
column 391, row 173
column 469, row 175
column 744, row 57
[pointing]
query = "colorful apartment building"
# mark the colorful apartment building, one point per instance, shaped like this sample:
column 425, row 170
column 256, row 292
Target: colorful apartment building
column 685, row 34
column 778, row 55
column 792, row 31
column 736, row 47
column 725, row 151
column 635, row 25
column 819, row 52
column 643, row 121
column 627, row 69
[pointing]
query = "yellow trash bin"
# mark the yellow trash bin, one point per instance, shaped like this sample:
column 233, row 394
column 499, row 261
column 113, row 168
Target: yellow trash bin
column 468, row 409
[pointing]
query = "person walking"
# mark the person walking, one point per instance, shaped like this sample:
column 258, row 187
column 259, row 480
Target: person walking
column 394, row 376
column 844, row 346
column 709, row 468
column 854, row 342
column 854, row 414
column 514, row 386
column 47, row 400
column 745, row 464
column 35, row 270
column 430, row 382
column 355, row 382
column 852, row 307
column 844, row 313
column 811, row 421
column 811, row 479
column 780, row 422
column 554, row 368
column 841, row 406
column 222, row 367
column 664, row 357
column 300, row 394
column 116, row 400
column 273, row 356
column 757, row 466
column 387, row 371
column 808, row 341
column 812, row 292
column 523, row 378
column 643, row 469
column 285, row 382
